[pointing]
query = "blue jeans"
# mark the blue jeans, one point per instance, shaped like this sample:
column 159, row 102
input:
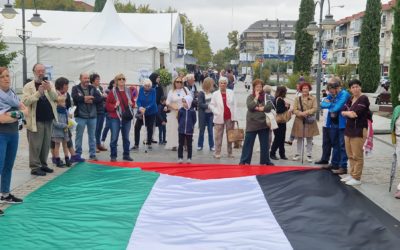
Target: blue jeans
column 326, row 144
column 8, row 151
column 208, row 117
column 80, row 128
column 99, row 127
column 339, row 156
column 106, row 128
column 116, row 125
column 247, row 150
column 162, row 130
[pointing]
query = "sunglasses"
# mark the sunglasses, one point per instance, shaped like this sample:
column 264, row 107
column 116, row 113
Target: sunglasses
column 178, row 81
column 121, row 79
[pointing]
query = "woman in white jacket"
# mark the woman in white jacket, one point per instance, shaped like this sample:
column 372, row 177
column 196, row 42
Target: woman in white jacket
column 223, row 106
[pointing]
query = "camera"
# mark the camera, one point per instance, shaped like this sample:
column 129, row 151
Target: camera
column 45, row 78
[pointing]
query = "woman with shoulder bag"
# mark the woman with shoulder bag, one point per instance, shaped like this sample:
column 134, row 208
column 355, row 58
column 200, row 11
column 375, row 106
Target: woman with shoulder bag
column 119, row 106
column 256, row 125
column 305, row 124
column 279, row 139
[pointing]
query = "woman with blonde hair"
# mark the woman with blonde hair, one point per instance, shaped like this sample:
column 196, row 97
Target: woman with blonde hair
column 119, row 105
column 174, row 103
column 205, row 114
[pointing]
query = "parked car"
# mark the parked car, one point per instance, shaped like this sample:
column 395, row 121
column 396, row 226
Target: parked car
column 385, row 81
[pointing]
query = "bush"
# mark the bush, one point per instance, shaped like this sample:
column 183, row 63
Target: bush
column 165, row 77
column 264, row 74
column 294, row 79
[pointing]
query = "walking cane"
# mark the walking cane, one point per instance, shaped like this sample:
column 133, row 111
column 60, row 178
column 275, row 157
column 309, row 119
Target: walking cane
column 146, row 145
column 302, row 141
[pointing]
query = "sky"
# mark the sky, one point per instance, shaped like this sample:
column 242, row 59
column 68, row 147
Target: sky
column 219, row 17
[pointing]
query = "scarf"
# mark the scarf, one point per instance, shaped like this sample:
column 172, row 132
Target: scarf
column 8, row 100
column 260, row 97
column 369, row 143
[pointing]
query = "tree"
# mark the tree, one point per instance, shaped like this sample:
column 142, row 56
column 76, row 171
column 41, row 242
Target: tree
column 395, row 57
column 304, row 41
column 125, row 8
column 66, row 5
column 233, row 40
column 223, row 57
column 197, row 41
column 6, row 58
column 99, row 5
column 369, row 67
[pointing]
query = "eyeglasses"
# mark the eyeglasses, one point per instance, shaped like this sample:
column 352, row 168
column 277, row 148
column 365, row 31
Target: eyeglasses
column 178, row 81
column 121, row 79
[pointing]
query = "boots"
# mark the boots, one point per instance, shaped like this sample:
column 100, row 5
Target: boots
column 67, row 161
column 59, row 163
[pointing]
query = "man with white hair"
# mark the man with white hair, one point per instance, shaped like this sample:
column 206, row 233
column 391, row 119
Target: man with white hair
column 147, row 107
column 191, row 86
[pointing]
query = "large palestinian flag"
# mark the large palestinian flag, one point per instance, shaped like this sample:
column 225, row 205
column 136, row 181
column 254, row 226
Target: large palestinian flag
column 170, row 206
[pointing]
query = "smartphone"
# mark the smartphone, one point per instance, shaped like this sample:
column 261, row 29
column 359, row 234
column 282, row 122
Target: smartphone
column 45, row 78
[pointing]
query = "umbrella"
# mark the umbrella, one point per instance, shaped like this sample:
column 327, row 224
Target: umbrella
column 393, row 170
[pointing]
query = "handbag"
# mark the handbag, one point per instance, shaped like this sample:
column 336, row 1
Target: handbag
column 235, row 134
column 308, row 119
column 283, row 117
column 270, row 117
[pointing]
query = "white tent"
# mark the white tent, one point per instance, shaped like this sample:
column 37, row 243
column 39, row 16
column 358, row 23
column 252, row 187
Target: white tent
column 106, row 43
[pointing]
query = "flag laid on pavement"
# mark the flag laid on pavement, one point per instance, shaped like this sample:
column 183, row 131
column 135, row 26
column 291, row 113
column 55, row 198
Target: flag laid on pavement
column 196, row 207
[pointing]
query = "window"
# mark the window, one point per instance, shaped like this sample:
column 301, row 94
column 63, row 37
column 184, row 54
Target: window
column 382, row 35
column 383, row 20
column 343, row 53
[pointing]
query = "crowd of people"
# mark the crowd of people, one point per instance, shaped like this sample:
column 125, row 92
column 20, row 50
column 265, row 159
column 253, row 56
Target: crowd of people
column 51, row 113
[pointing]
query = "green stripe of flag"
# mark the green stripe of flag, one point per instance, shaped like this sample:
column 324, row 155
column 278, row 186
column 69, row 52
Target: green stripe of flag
column 88, row 207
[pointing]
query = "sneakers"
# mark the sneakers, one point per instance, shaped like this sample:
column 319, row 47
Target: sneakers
column 11, row 199
column 47, row 169
column 212, row 149
column 296, row 157
column 353, row 182
column 180, row 160
column 77, row 158
column 199, row 148
column 38, row 172
column 189, row 160
column 135, row 148
column 309, row 158
column 346, row 179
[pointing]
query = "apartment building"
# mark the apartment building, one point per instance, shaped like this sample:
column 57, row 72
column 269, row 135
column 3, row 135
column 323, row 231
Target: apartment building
column 252, row 39
column 343, row 42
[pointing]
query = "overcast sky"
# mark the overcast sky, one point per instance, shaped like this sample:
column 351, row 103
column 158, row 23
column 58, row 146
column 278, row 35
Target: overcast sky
column 218, row 17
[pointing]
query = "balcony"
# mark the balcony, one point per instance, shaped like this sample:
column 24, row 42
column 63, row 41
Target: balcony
column 340, row 46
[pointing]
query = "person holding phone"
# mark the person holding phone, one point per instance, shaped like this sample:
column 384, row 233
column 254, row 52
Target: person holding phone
column 39, row 96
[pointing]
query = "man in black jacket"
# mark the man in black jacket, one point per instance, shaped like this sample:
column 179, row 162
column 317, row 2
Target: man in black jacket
column 86, row 97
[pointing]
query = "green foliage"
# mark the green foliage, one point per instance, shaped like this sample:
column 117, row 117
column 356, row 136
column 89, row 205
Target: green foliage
column 184, row 71
column 265, row 71
column 233, row 39
column 66, row 5
column 345, row 72
column 99, row 5
column 197, row 40
column 369, row 67
column 395, row 57
column 304, row 42
column 294, row 79
column 6, row 58
column 223, row 57
column 165, row 77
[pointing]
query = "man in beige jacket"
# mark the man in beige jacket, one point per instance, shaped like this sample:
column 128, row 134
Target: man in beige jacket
column 39, row 96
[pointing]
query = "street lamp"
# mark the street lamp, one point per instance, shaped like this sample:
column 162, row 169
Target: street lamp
column 312, row 29
column 9, row 13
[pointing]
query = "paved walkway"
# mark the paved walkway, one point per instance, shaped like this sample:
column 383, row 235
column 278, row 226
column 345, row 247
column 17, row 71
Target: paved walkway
column 375, row 175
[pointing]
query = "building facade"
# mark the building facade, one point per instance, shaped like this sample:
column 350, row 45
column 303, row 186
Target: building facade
column 343, row 42
column 252, row 39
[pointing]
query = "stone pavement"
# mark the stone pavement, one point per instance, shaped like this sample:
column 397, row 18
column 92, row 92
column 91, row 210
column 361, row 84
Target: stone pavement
column 375, row 176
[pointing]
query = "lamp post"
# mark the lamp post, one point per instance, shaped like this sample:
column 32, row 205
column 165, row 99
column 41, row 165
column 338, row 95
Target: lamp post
column 281, row 40
column 313, row 29
column 9, row 13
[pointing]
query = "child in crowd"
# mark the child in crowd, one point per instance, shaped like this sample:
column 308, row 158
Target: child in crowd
column 161, row 121
column 186, row 122
column 60, row 133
